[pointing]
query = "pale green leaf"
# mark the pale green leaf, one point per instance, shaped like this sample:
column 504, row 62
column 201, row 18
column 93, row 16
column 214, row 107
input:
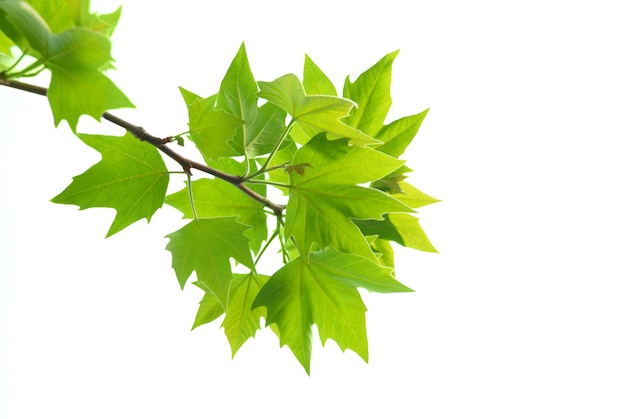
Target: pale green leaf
column 399, row 134
column 242, row 321
column 315, row 82
column 72, row 94
column 76, row 58
column 324, row 292
column 65, row 14
column 412, row 196
column 400, row 228
column 324, row 200
column 384, row 252
column 131, row 178
column 262, row 127
column 206, row 246
column 210, row 128
column 371, row 91
column 217, row 198
column 314, row 113
column 210, row 307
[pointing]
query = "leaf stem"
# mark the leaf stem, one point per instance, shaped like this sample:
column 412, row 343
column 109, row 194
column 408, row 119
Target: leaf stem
column 269, row 182
column 263, row 168
column 15, row 64
column 38, row 66
column 273, row 236
column 191, row 201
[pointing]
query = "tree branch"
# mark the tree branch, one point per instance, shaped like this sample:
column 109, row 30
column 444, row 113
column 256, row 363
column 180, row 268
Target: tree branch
column 161, row 143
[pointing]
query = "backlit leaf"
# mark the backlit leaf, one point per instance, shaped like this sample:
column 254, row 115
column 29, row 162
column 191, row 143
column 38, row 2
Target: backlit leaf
column 206, row 246
column 131, row 178
column 313, row 113
column 210, row 128
column 324, row 292
column 315, row 82
column 399, row 134
column 76, row 58
column 242, row 320
column 261, row 127
column 216, row 198
column 324, row 200
column 400, row 228
column 371, row 91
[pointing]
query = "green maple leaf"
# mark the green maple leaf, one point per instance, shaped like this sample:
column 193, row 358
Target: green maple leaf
column 131, row 178
column 314, row 80
column 326, row 197
column 399, row 134
column 242, row 320
column 412, row 196
column 313, row 113
column 384, row 252
column 371, row 91
column 262, row 126
column 206, row 246
column 210, row 128
column 324, row 292
column 63, row 14
column 5, row 47
column 216, row 198
column 400, row 228
column 210, row 307
column 75, row 57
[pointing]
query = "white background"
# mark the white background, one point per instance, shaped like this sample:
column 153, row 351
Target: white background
column 522, row 313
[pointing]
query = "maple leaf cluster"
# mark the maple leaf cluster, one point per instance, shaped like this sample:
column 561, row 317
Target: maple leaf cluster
column 335, row 160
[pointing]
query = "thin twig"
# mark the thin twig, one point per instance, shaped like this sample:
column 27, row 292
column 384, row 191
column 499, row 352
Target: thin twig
column 161, row 143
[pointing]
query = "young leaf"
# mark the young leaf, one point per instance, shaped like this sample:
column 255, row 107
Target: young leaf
column 326, row 197
column 399, row 134
column 242, row 320
column 315, row 82
column 262, row 126
column 210, row 128
column 412, row 196
column 324, row 292
column 371, row 91
column 63, row 14
column 315, row 113
column 403, row 229
column 131, row 178
column 216, row 198
column 76, row 58
column 5, row 45
column 210, row 307
column 206, row 246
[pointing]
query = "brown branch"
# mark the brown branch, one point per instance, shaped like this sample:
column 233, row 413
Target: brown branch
column 161, row 143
